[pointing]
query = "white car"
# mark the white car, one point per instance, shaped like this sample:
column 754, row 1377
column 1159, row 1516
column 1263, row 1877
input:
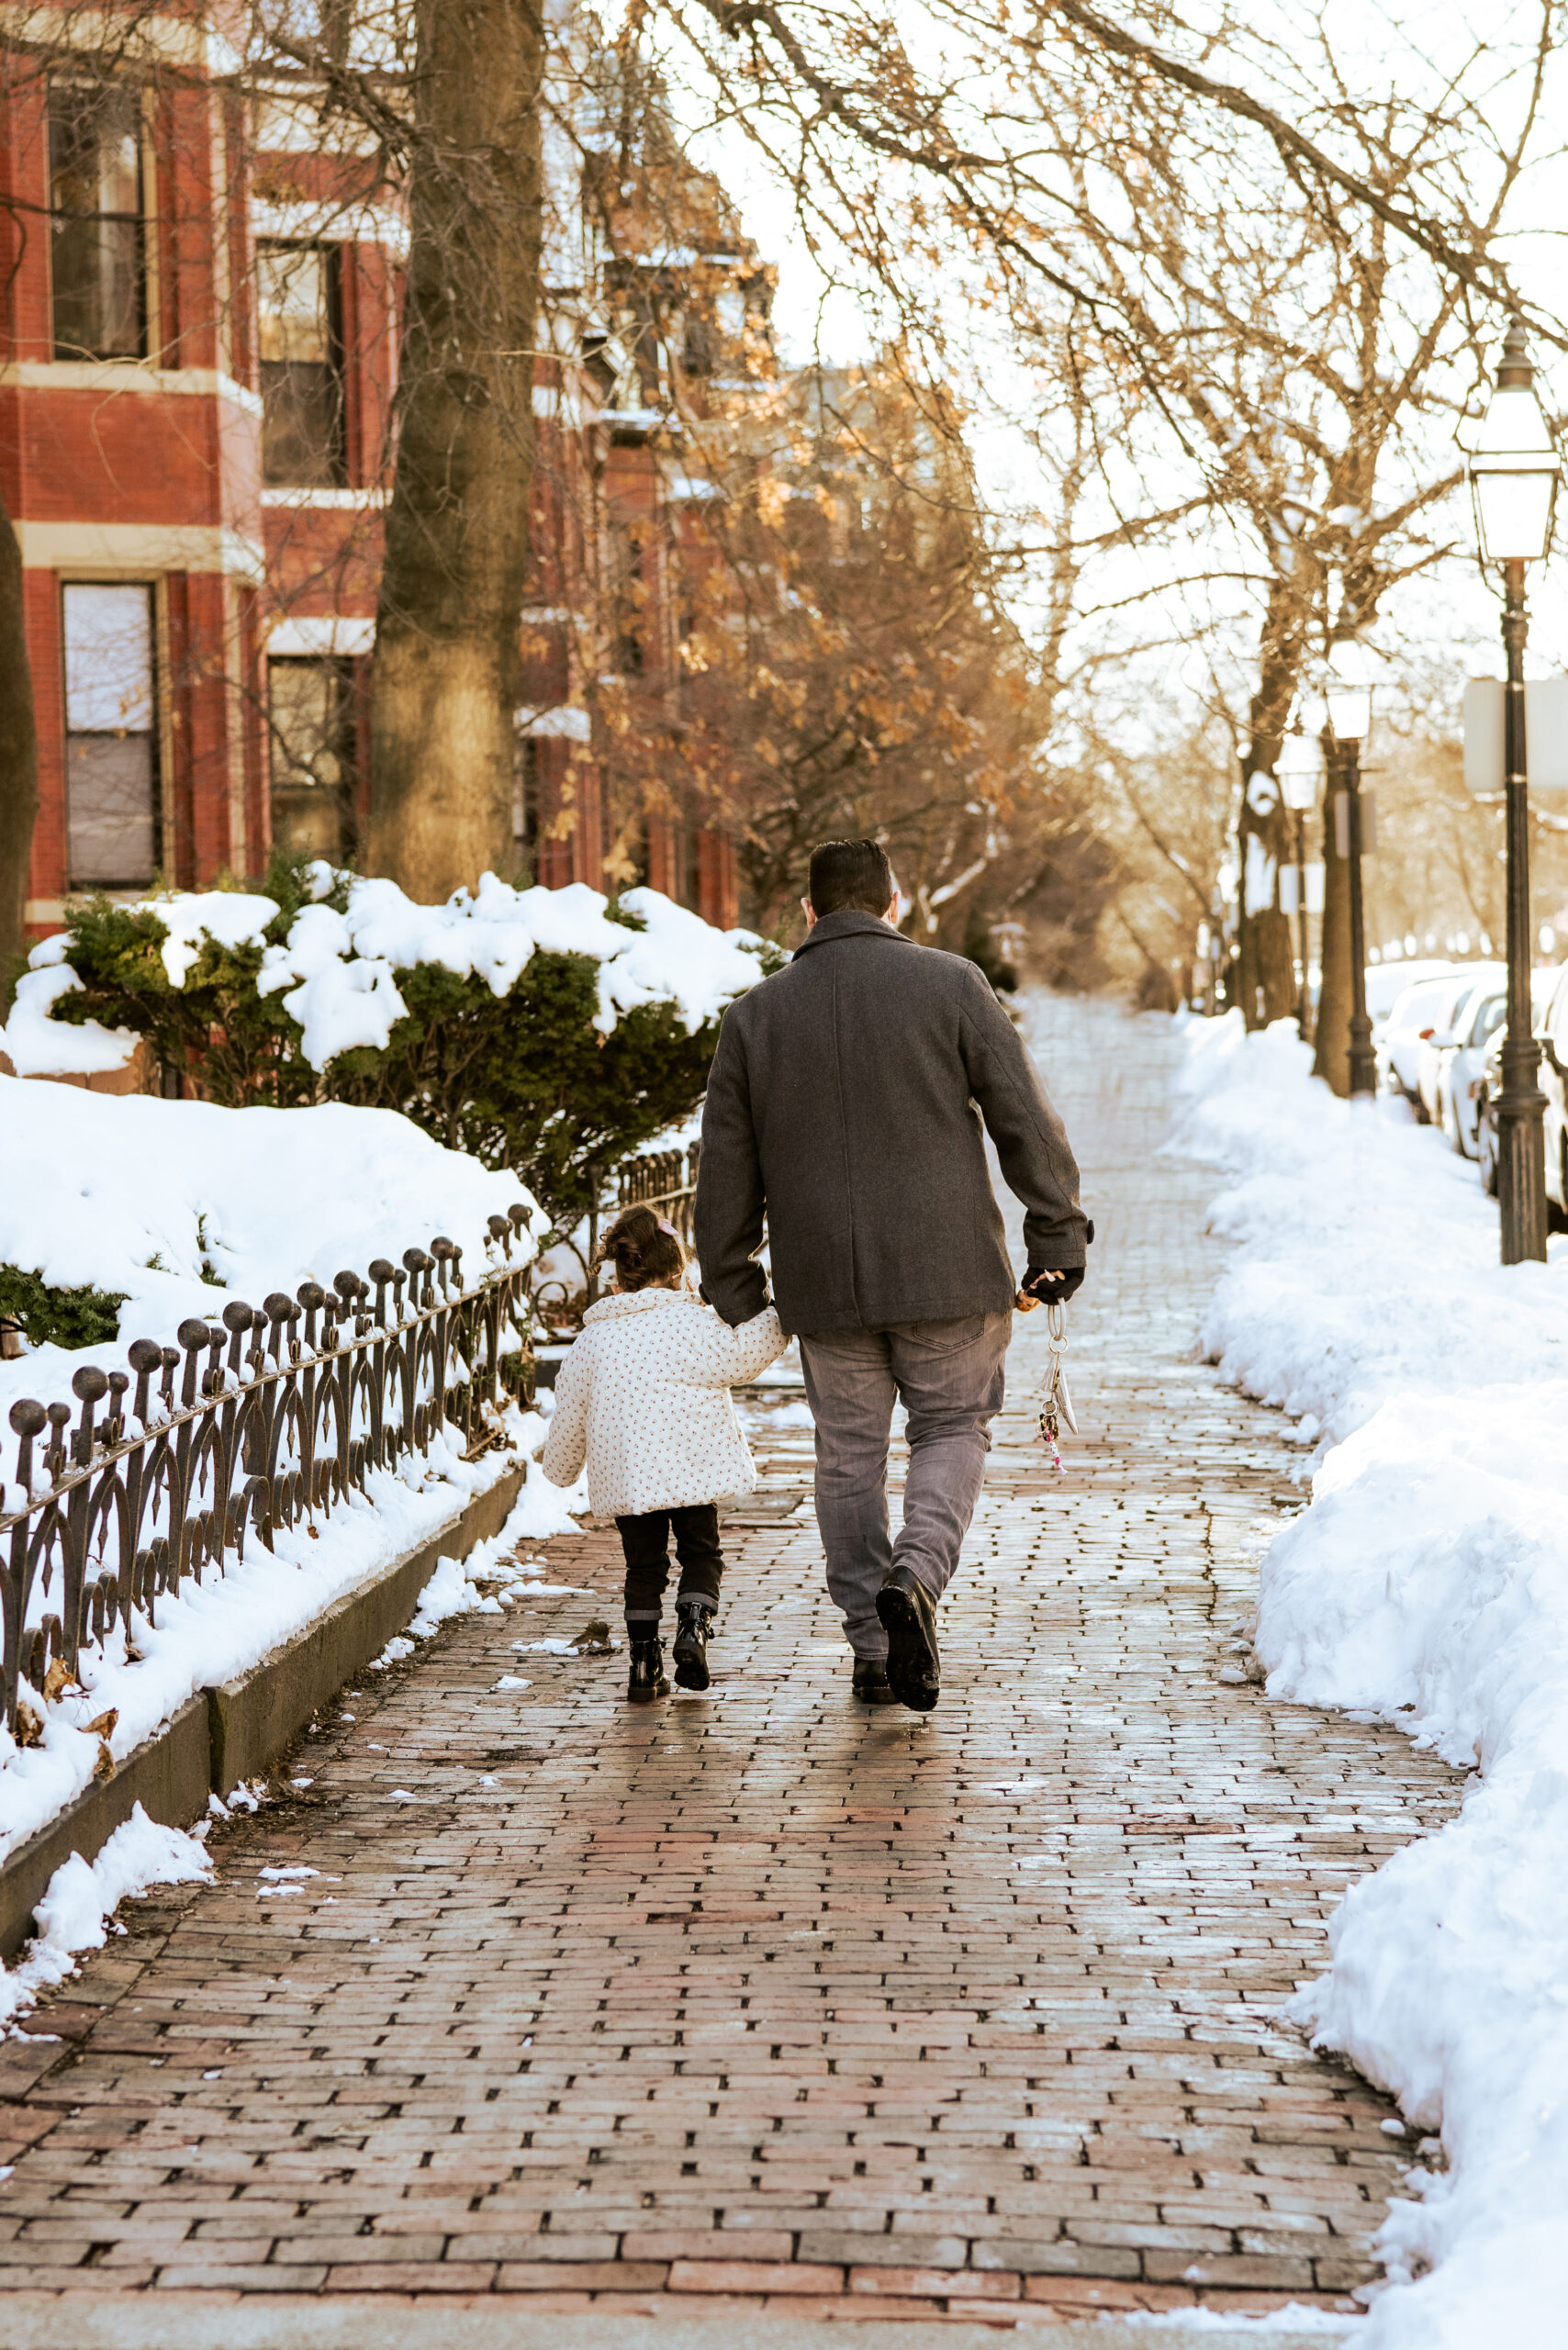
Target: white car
column 1386, row 982
column 1461, row 1064
column 1424, row 1005
column 1453, row 1018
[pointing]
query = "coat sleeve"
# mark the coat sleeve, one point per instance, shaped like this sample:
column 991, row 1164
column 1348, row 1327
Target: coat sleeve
column 730, row 1204
column 728, row 1358
column 565, row 1447
column 1038, row 1164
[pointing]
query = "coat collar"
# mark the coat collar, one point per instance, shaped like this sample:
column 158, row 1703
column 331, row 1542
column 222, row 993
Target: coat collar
column 635, row 1301
column 850, row 923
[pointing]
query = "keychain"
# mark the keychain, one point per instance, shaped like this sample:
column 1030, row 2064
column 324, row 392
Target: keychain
column 1056, row 1403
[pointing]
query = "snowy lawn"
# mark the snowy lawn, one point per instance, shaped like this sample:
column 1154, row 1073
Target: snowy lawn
column 180, row 1206
column 1428, row 1583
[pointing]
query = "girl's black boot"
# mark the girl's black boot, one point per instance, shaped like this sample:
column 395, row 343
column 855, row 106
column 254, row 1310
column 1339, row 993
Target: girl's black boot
column 647, row 1678
column 694, row 1620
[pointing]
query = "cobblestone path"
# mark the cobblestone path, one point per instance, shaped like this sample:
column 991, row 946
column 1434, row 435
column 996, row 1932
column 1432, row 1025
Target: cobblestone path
column 757, row 1995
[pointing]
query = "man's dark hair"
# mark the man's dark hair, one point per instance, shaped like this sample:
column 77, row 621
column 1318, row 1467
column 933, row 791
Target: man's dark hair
column 849, row 873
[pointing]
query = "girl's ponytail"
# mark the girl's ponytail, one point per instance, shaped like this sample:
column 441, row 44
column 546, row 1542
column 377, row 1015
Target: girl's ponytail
column 644, row 1251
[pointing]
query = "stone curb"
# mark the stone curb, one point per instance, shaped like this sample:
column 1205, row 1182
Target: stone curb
column 139, row 2321
column 238, row 1730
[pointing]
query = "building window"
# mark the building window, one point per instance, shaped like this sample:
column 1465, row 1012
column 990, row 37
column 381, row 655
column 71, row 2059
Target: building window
column 111, row 770
column 95, row 230
column 311, row 711
column 692, row 868
column 629, row 596
column 525, row 800
column 304, row 444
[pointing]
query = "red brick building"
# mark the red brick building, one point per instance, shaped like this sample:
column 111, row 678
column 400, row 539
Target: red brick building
column 200, row 339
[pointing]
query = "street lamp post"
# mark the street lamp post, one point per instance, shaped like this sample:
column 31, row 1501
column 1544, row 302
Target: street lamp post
column 1299, row 768
column 1348, row 693
column 1513, row 480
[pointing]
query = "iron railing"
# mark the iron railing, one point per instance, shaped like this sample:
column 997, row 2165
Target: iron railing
column 281, row 1411
column 666, row 1179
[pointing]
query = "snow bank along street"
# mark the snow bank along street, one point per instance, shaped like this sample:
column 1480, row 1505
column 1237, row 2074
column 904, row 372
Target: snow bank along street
column 754, row 1998
column 1427, row 1586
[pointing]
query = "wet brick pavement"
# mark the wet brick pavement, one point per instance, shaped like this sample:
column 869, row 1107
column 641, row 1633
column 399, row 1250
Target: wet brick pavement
column 756, row 1996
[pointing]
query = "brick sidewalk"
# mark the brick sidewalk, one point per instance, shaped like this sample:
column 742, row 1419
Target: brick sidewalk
column 758, row 1995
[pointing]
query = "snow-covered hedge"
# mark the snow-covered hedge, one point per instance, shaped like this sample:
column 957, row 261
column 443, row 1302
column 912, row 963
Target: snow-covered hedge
column 543, row 1030
column 1426, row 1584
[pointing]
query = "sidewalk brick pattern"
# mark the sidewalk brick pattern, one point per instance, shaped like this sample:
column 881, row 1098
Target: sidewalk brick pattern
column 756, row 1996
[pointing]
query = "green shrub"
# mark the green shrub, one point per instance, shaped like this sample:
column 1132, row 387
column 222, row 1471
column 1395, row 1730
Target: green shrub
column 61, row 1317
column 524, row 1081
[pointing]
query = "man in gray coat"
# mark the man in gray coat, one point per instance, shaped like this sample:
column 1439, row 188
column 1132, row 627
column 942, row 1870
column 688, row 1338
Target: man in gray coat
column 844, row 1107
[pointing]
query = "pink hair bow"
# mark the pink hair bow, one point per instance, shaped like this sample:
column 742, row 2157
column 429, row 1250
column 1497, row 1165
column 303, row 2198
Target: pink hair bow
column 666, row 1225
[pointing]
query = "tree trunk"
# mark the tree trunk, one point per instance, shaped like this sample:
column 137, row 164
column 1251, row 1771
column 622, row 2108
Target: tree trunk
column 18, row 761
column 1264, row 974
column 446, row 648
column 1332, row 1058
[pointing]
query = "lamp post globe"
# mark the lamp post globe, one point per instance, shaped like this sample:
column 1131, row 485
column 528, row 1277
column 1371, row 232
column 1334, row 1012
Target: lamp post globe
column 1514, row 473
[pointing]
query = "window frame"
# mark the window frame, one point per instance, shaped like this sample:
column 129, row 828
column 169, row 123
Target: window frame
column 57, row 85
column 152, row 734
column 335, row 364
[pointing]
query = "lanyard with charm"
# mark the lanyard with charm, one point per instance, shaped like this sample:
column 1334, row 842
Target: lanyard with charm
column 1056, row 1403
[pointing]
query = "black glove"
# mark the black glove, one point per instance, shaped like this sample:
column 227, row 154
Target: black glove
column 1068, row 1282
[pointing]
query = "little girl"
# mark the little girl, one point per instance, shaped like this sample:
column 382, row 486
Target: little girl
column 644, row 1395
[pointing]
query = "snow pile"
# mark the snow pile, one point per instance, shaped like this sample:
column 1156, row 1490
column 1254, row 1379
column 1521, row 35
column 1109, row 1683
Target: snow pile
column 37, row 1045
column 1429, row 1583
column 180, row 1206
column 72, row 1914
column 337, row 972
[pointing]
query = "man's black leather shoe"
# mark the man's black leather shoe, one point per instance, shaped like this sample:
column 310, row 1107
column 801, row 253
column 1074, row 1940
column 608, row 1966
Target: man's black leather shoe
column 871, row 1684
column 646, row 1679
column 915, row 1667
column 694, row 1620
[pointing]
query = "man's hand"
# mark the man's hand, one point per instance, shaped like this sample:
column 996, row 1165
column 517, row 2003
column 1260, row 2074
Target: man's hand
column 1048, row 1285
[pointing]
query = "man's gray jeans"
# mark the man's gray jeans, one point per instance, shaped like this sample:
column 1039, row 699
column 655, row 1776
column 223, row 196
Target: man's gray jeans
column 950, row 1379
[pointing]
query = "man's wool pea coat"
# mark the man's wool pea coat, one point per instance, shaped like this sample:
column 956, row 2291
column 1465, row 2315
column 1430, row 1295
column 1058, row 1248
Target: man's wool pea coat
column 847, row 1106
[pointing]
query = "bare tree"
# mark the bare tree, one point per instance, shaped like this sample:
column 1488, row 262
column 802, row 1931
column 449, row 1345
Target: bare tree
column 456, row 558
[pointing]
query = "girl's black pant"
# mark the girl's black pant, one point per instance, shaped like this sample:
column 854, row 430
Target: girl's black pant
column 646, row 1541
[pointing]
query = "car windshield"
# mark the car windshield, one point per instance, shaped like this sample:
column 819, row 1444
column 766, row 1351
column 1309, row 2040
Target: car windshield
column 1386, row 982
column 1490, row 1014
column 1417, row 1006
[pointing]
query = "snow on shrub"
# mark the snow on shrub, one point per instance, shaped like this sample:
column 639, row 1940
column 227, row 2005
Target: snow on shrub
column 1428, row 1583
column 547, row 1031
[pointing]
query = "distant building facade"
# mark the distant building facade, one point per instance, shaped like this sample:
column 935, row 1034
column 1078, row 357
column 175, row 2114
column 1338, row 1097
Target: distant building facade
column 197, row 398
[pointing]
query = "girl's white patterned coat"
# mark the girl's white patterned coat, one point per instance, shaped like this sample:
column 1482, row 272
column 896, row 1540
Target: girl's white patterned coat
column 644, row 1397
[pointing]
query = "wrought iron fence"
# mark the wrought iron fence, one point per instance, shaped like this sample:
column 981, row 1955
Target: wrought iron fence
column 666, row 1179
column 281, row 1411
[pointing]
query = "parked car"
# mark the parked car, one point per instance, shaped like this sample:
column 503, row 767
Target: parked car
column 1425, row 1005
column 1460, row 1065
column 1386, row 982
column 1436, row 1047
column 1555, row 1085
column 1546, row 998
